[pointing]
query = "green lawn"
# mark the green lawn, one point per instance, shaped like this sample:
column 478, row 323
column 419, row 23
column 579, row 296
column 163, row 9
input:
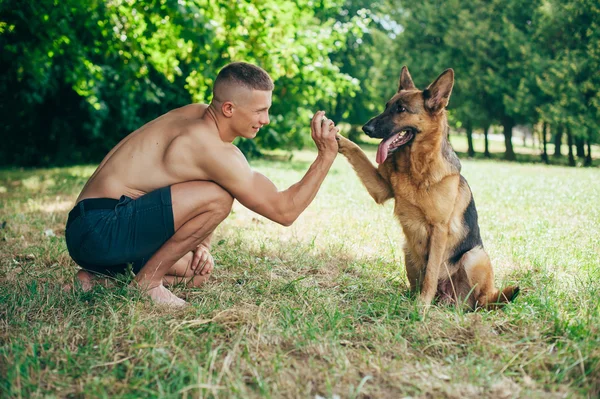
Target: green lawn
column 319, row 309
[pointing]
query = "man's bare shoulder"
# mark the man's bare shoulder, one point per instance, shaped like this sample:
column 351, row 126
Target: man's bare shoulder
column 199, row 133
column 190, row 111
column 209, row 142
column 200, row 141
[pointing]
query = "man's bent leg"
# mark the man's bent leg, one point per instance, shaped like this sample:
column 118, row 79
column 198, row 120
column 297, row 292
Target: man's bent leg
column 198, row 208
column 182, row 273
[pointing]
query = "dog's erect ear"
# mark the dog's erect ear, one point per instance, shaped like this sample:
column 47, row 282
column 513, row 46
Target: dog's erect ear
column 438, row 93
column 406, row 82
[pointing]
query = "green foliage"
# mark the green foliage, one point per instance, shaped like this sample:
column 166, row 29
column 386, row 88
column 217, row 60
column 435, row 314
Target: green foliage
column 366, row 60
column 76, row 79
column 80, row 78
column 75, row 83
column 515, row 62
column 569, row 77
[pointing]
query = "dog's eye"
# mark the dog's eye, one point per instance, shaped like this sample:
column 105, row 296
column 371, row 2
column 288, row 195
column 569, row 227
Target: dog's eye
column 401, row 108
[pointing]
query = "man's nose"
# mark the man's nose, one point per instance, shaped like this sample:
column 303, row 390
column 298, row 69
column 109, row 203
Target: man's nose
column 266, row 121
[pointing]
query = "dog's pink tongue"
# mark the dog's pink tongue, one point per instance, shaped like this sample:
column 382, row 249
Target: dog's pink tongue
column 382, row 151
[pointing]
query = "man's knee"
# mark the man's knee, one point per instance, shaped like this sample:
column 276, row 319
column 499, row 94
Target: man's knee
column 221, row 202
column 194, row 197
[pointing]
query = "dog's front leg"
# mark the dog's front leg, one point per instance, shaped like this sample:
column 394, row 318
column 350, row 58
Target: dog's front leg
column 437, row 246
column 376, row 185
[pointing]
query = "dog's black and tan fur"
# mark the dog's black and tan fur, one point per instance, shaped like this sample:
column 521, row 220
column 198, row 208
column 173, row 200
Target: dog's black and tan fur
column 419, row 169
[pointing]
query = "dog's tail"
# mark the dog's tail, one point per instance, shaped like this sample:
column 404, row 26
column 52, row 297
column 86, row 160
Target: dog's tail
column 500, row 298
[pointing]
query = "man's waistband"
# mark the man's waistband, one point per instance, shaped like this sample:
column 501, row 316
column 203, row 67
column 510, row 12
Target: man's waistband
column 91, row 204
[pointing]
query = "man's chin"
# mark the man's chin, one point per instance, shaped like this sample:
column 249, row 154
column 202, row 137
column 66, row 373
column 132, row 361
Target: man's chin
column 249, row 135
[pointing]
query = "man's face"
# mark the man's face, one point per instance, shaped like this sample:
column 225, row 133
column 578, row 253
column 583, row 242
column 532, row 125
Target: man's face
column 252, row 112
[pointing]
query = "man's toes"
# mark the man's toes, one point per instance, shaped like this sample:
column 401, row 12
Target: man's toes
column 86, row 280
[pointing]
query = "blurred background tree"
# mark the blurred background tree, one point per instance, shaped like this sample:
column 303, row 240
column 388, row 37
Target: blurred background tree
column 77, row 77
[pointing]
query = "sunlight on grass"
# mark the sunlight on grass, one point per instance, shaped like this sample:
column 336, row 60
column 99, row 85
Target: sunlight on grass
column 319, row 308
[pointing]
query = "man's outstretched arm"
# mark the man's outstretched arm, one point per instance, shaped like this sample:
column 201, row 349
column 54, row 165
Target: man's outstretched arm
column 259, row 194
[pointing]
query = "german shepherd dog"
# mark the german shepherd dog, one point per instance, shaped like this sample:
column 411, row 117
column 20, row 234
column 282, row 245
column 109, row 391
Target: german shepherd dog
column 443, row 251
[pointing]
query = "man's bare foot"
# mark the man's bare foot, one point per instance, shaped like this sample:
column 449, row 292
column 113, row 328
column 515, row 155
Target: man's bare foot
column 87, row 281
column 163, row 296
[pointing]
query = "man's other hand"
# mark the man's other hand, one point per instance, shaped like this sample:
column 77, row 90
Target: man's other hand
column 202, row 262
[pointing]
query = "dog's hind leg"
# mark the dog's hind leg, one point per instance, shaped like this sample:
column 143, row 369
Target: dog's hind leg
column 478, row 267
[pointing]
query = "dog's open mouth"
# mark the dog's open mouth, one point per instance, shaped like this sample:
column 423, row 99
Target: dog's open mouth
column 392, row 143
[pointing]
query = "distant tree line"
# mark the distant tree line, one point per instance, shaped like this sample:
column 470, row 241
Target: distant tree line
column 77, row 77
column 535, row 63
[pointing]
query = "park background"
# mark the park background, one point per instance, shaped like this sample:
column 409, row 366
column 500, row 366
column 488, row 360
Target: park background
column 320, row 309
column 77, row 77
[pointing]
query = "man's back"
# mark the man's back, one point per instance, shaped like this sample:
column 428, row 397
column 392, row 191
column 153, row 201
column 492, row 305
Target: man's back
column 158, row 154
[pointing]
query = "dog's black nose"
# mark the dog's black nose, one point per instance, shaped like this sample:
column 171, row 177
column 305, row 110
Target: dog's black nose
column 368, row 129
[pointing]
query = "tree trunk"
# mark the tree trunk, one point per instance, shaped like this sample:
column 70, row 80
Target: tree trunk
column 509, row 154
column 570, row 146
column 557, row 140
column 471, row 150
column 580, row 145
column 588, row 157
column 544, row 142
column 486, row 129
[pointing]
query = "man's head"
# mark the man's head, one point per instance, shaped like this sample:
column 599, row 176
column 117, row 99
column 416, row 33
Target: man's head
column 242, row 94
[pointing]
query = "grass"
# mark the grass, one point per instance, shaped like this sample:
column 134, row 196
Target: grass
column 319, row 309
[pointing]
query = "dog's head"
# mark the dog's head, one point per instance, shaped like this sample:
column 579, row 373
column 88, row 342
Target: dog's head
column 411, row 116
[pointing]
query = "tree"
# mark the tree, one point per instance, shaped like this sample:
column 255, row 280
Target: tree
column 80, row 78
column 482, row 42
column 567, row 33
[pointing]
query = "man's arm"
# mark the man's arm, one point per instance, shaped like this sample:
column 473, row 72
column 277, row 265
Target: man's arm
column 231, row 170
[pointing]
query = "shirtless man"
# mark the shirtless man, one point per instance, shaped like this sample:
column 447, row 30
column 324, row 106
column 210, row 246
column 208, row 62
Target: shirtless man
column 157, row 197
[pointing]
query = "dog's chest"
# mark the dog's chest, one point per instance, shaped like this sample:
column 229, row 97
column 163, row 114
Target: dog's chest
column 419, row 207
column 428, row 202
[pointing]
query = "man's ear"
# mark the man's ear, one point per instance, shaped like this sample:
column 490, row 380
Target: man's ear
column 437, row 94
column 406, row 82
column 227, row 109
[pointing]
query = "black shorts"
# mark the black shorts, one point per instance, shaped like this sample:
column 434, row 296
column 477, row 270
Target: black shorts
column 105, row 235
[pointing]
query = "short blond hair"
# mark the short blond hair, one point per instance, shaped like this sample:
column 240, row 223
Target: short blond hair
column 242, row 74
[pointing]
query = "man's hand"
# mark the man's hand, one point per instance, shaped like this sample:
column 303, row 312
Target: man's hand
column 202, row 262
column 323, row 132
